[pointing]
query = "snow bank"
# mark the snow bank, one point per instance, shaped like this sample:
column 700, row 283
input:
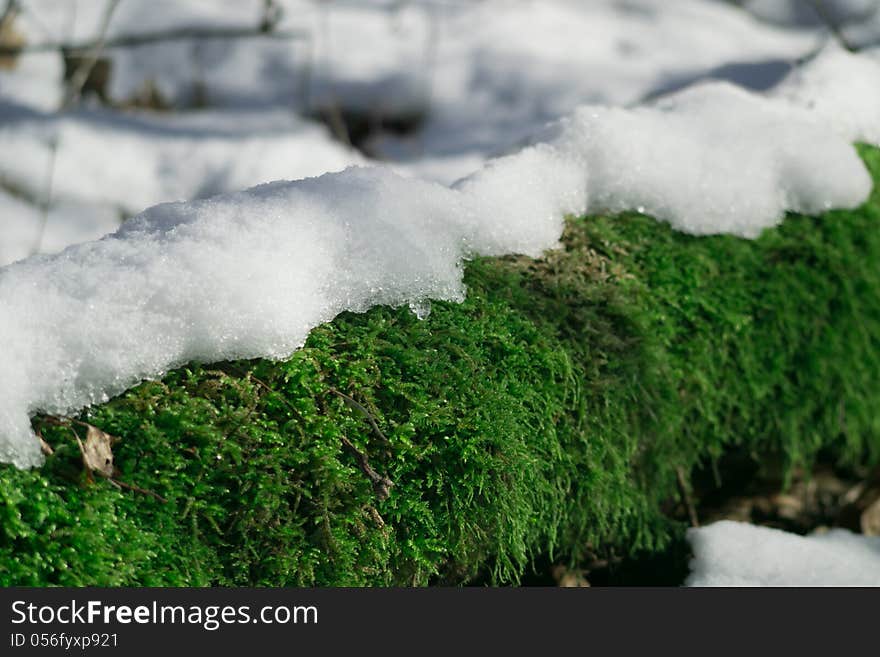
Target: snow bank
column 730, row 553
column 250, row 274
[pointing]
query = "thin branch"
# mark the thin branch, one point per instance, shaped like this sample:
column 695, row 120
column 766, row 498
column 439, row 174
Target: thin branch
column 146, row 38
column 13, row 8
column 381, row 485
column 272, row 14
column 833, row 27
column 45, row 447
column 686, row 497
column 82, row 72
column 349, row 401
column 136, row 489
column 46, row 202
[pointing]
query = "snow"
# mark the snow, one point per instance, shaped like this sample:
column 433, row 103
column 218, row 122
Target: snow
column 249, row 274
column 731, row 553
column 716, row 158
column 857, row 20
column 839, row 89
column 107, row 163
column 713, row 117
column 692, row 112
column 484, row 75
column 26, row 230
column 496, row 76
column 133, row 161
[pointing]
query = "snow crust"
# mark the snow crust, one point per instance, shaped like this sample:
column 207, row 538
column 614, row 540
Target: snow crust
column 731, row 553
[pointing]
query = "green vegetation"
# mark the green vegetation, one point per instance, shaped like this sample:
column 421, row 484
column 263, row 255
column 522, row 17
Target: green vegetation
column 545, row 415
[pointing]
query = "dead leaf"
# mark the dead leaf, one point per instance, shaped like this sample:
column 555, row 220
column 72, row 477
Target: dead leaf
column 10, row 38
column 96, row 452
column 569, row 578
column 870, row 519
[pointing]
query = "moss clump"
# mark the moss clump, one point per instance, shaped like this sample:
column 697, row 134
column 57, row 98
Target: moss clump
column 545, row 415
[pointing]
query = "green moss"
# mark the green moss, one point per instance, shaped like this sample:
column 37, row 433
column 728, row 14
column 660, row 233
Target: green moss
column 545, row 415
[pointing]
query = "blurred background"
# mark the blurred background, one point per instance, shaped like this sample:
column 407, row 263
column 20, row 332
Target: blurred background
column 110, row 106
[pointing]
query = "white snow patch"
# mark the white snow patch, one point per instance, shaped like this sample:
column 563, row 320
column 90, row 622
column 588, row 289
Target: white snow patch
column 714, row 158
column 731, row 553
column 839, row 89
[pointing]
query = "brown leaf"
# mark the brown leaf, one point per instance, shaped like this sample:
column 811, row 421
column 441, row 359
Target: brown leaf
column 96, row 453
column 569, row 578
column 10, row 38
column 870, row 519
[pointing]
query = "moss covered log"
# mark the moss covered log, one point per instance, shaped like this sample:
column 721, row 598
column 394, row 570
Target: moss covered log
column 545, row 415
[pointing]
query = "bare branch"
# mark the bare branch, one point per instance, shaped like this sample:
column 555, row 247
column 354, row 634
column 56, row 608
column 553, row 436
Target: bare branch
column 81, row 74
column 381, row 485
column 12, row 8
column 146, row 38
column 833, row 27
column 686, row 497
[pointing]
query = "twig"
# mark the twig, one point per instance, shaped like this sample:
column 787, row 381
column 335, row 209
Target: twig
column 349, row 401
column 136, row 489
column 46, row 203
column 381, row 485
column 378, row 519
column 272, row 14
column 56, row 421
column 832, row 25
column 333, row 115
column 686, row 497
column 12, row 9
column 269, row 389
column 45, row 447
column 146, row 38
column 82, row 72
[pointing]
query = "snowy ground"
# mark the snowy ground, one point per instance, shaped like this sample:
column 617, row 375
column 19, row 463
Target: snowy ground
column 693, row 111
column 480, row 76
